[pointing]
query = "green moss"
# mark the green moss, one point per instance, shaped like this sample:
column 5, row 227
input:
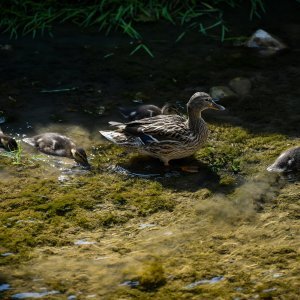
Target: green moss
column 227, row 180
column 40, row 219
column 152, row 275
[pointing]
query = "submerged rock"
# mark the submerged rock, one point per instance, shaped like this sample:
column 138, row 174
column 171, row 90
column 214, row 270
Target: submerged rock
column 7, row 254
column 222, row 92
column 130, row 283
column 4, row 287
column 34, row 294
column 288, row 161
column 204, row 281
column 83, row 242
column 263, row 40
column 240, row 85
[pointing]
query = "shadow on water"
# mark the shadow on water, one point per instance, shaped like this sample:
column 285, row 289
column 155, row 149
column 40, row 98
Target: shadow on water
column 173, row 177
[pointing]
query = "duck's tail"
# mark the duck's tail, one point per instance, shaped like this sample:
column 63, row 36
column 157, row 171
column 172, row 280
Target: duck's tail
column 121, row 139
column 112, row 136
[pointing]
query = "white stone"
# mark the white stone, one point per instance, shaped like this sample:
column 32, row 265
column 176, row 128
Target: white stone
column 264, row 40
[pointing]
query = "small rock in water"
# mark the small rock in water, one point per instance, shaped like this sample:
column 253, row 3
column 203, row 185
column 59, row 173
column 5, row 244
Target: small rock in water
column 6, row 47
column 7, row 254
column 34, row 294
column 263, row 40
column 2, row 119
column 146, row 225
column 269, row 290
column 4, row 287
column 277, row 275
column 205, row 281
column 72, row 297
column 240, row 85
column 130, row 283
column 222, row 92
column 83, row 242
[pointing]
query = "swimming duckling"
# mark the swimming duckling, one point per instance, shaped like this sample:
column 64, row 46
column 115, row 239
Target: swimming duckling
column 59, row 145
column 288, row 161
column 148, row 111
column 7, row 142
column 166, row 137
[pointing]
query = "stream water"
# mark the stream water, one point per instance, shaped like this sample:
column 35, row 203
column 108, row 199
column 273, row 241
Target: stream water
column 128, row 228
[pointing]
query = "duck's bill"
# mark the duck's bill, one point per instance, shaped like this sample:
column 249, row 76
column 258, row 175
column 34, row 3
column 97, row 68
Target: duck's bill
column 214, row 105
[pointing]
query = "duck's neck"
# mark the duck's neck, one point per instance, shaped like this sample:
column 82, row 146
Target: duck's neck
column 195, row 121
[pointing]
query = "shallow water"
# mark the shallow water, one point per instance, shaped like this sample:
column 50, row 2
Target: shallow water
column 128, row 228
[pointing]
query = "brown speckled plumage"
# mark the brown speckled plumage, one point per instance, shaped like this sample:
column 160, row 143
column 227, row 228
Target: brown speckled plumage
column 166, row 137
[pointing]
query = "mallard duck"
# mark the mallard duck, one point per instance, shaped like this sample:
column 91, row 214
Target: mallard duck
column 7, row 142
column 287, row 161
column 148, row 110
column 166, row 137
column 59, row 145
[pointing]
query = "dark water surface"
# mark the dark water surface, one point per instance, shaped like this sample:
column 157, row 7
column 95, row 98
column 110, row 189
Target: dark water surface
column 230, row 231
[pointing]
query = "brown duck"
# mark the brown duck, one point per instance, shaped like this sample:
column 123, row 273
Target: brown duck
column 166, row 137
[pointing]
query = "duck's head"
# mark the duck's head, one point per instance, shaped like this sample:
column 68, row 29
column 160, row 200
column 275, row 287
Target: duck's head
column 170, row 109
column 80, row 156
column 201, row 101
column 9, row 143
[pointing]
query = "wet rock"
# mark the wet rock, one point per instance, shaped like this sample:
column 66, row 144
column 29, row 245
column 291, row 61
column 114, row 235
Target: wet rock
column 205, row 281
column 269, row 44
column 146, row 225
column 4, row 287
column 83, row 242
column 34, row 294
column 240, row 85
column 6, row 47
column 130, row 283
column 7, row 254
column 222, row 92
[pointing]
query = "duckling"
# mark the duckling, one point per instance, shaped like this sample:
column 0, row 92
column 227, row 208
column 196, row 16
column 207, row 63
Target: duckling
column 288, row 161
column 7, row 142
column 166, row 137
column 59, row 145
column 148, row 110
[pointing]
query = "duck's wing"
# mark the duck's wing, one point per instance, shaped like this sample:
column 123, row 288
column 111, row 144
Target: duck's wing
column 171, row 128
